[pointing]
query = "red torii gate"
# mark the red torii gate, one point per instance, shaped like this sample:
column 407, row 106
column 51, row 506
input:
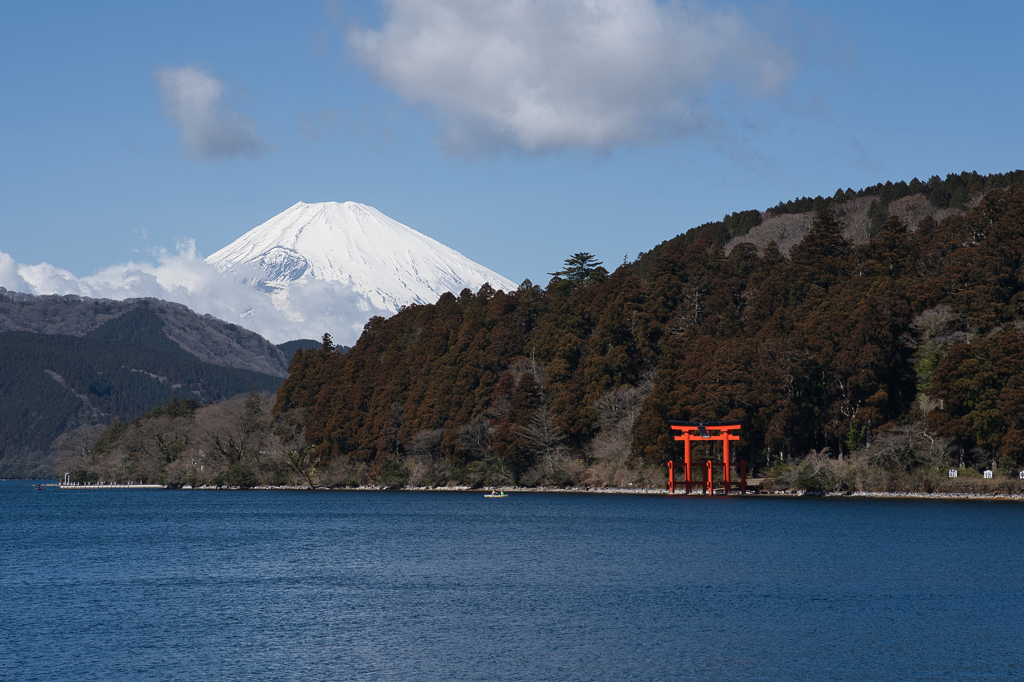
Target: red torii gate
column 690, row 431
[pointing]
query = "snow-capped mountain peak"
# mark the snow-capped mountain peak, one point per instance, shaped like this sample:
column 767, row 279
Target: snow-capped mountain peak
column 382, row 261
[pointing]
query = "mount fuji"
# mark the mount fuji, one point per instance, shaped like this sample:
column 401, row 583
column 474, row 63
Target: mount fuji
column 312, row 269
column 349, row 257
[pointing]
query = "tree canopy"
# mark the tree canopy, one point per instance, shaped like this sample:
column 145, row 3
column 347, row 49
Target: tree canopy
column 581, row 268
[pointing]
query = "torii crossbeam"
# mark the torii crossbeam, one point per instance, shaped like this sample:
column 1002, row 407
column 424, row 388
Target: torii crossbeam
column 691, row 431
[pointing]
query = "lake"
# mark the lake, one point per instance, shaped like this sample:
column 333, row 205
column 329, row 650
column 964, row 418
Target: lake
column 298, row 585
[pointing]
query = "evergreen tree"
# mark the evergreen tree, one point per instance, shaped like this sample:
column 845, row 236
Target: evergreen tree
column 581, row 268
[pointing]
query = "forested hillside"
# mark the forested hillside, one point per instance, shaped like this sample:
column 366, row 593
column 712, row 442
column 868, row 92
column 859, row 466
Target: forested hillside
column 207, row 338
column 835, row 345
column 51, row 384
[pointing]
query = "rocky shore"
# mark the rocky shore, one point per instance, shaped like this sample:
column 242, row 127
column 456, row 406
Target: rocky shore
column 643, row 491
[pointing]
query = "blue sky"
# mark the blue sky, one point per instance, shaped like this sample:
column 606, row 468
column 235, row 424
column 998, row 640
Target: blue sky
column 504, row 130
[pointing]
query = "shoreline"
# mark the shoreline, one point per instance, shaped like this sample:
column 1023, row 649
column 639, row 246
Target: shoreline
column 1007, row 497
column 995, row 497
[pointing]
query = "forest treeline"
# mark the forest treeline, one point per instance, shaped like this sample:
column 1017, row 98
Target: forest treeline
column 899, row 355
column 234, row 442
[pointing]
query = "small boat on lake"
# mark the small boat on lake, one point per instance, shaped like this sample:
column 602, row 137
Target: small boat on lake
column 496, row 493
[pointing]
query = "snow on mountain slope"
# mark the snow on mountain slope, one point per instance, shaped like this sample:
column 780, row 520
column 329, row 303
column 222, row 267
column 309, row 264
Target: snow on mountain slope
column 314, row 268
column 379, row 260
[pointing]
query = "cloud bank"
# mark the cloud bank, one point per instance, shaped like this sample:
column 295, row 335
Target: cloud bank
column 539, row 75
column 194, row 102
column 184, row 277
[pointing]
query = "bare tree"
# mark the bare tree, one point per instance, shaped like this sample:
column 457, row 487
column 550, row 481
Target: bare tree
column 617, row 410
column 71, row 451
column 476, row 436
column 543, row 437
column 899, row 448
column 426, row 453
column 305, row 461
column 244, row 435
column 426, row 444
column 300, row 457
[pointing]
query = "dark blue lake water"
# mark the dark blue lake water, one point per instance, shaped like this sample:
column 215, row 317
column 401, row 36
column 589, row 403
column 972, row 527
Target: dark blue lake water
column 261, row 585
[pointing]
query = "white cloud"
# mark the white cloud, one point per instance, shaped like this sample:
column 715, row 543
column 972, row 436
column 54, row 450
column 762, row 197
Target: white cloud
column 194, row 101
column 541, row 75
column 186, row 278
column 10, row 277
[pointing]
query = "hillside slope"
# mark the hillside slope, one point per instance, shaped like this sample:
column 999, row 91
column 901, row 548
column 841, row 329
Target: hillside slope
column 209, row 339
column 833, row 345
column 51, row 384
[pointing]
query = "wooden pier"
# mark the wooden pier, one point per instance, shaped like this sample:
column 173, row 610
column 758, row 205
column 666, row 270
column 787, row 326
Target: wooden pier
column 68, row 484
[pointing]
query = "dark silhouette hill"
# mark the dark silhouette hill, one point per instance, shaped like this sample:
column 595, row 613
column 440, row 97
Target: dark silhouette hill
column 288, row 348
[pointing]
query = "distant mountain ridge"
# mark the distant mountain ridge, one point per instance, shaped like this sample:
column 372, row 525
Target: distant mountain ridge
column 52, row 384
column 207, row 338
column 73, row 364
